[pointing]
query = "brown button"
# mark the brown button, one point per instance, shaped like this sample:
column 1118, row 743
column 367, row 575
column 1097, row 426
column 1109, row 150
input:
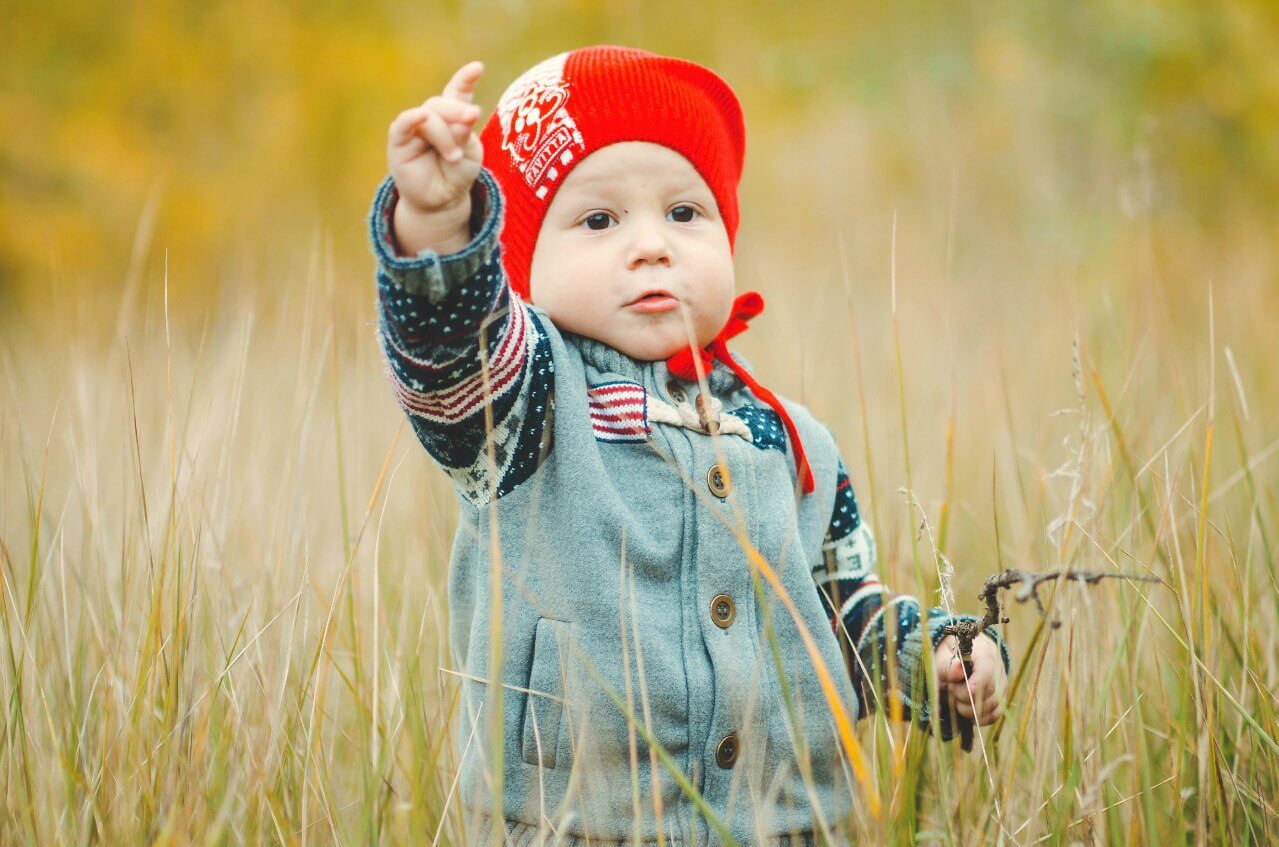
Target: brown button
column 719, row 481
column 676, row 391
column 726, row 752
column 723, row 611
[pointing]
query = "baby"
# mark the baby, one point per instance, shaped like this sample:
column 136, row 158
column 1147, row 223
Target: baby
column 623, row 489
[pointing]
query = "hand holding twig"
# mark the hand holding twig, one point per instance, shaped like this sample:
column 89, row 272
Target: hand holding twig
column 966, row 632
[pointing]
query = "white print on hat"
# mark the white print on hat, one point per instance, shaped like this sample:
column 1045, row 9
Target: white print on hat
column 537, row 129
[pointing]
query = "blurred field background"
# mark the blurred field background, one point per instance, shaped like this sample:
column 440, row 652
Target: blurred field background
column 224, row 558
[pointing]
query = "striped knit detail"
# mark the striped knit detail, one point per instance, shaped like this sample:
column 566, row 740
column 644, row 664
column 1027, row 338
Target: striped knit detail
column 464, row 398
column 619, row 411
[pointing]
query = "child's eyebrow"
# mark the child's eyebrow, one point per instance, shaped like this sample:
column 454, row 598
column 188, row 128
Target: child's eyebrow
column 597, row 185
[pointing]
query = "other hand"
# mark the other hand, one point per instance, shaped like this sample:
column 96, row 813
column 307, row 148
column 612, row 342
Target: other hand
column 982, row 693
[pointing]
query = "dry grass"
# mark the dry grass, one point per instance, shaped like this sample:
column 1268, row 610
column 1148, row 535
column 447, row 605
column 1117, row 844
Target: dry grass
column 224, row 567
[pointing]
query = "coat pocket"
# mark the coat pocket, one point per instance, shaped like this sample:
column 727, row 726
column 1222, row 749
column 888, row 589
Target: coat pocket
column 545, row 735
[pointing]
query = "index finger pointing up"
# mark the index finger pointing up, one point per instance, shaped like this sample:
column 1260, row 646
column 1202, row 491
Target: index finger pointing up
column 463, row 81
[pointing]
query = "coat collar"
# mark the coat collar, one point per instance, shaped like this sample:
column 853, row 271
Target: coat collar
column 721, row 381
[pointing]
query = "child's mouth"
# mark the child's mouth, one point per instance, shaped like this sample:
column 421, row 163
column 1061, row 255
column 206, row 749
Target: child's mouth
column 653, row 301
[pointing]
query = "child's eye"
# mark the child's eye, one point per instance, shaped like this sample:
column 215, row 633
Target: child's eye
column 682, row 213
column 597, row 220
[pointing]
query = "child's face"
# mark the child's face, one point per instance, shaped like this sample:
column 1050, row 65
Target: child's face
column 632, row 239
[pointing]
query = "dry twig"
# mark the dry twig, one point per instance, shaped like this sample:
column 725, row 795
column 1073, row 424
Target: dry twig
column 967, row 631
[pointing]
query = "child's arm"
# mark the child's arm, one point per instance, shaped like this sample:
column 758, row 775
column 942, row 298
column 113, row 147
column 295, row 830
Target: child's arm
column 859, row 606
column 459, row 344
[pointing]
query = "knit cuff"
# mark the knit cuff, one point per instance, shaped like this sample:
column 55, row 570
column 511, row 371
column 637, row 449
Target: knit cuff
column 428, row 273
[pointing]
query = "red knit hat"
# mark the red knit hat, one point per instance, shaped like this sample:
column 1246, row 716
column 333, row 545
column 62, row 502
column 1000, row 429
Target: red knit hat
column 565, row 108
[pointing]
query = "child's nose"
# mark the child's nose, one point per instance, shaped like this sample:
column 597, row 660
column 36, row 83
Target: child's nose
column 648, row 243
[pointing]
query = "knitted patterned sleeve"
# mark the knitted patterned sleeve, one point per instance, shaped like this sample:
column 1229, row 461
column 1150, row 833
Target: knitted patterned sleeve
column 859, row 606
column 459, row 342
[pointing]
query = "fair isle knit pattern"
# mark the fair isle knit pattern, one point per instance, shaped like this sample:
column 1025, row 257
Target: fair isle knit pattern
column 767, row 432
column 458, row 342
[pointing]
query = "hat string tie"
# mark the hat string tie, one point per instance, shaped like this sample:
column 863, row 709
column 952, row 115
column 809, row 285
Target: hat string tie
column 693, row 364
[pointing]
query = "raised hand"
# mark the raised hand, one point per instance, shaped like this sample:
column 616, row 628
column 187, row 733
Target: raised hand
column 434, row 157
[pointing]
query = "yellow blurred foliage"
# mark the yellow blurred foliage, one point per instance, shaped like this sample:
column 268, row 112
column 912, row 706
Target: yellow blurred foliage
column 256, row 125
